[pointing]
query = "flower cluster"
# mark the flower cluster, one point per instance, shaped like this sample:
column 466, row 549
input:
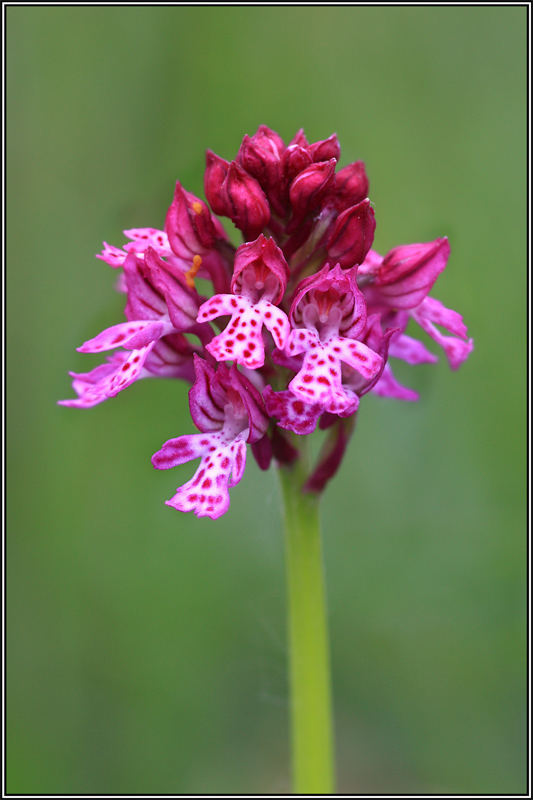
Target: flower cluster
column 306, row 312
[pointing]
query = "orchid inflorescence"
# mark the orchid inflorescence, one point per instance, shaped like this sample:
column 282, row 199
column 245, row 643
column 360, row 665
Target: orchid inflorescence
column 306, row 312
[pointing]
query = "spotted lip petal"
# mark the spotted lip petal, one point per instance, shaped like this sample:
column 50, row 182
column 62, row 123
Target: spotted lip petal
column 223, row 460
column 242, row 339
column 103, row 382
column 320, row 377
column 292, row 412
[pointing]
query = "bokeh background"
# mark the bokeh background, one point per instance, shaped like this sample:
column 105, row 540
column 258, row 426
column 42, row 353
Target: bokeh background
column 146, row 648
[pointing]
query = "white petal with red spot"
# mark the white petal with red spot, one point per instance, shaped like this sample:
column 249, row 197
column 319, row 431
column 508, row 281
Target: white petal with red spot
column 119, row 335
column 320, row 377
column 242, row 340
column 222, row 466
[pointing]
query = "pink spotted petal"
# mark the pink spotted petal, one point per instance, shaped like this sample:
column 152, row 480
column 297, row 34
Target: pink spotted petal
column 86, row 385
column 148, row 237
column 239, row 462
column 319, row 382
column 410, row 350
column 129, row 371
column 107, row 380
column 300, row 340
column 220, row 305
column 242, row 340
column 292, row 413
column 222, row 466
column 356, row 355
column 139, row 333
column 185, row 448
column 276, row 321
column 113, row 256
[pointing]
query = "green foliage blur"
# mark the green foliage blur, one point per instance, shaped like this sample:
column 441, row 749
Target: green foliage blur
column 146, row 648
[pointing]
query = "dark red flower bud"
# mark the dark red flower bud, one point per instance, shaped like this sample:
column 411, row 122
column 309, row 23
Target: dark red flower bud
column 260, row 158
column 351, row 186
column 245, row 202
column 352, row 235
column 325, row 149
column 295, row 160
column 189, row 225
column 265, row 133
column 309, row 189
column 215, row 175
column 299, row 139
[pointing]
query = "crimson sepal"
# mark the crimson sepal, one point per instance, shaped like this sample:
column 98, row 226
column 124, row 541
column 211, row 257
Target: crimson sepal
column 214, row 390
column 261, row 159
column 351, row 186
column 327, row 288
column 309, row 189
column 215, row 174
column 325, row 149
column 265, row 259
column 407, row 273
column 352, row 235
column 245, row 202
column 189, row 225
column 182, row 301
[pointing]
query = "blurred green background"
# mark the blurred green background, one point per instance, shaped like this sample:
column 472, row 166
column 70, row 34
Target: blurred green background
column 146, row 648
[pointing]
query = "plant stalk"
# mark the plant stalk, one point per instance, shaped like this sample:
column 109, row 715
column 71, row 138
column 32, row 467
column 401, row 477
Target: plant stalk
column 311, row 718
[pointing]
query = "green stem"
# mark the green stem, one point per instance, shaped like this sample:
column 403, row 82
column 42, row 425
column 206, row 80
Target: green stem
column 311, row 722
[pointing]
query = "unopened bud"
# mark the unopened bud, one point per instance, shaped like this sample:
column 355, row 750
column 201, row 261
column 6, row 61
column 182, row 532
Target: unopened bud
column 189, row 225
column 260, row 158
column 351, row 186
column 214, row 176
column 309, row 189
column 352, row 235
column 245, row 202
column 325, row 149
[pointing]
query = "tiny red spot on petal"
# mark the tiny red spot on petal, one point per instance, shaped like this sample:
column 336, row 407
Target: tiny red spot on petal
column 307, row 378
